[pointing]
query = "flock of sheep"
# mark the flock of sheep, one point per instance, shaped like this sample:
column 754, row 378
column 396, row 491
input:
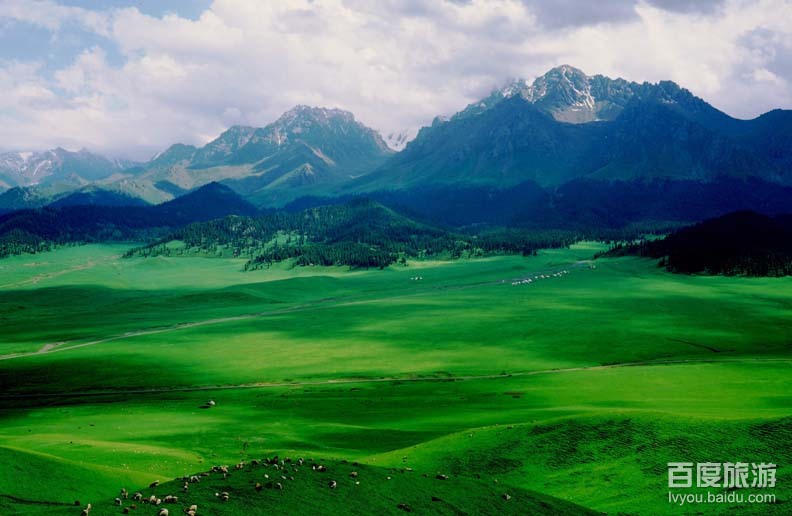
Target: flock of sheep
column 281, row 467
column 278, row 472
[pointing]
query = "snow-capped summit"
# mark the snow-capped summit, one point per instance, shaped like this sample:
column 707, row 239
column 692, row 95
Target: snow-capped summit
column 31, row 168
column 569, row 95
column 398, row 140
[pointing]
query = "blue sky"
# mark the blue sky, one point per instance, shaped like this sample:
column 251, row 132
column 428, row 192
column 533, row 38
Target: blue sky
column 129, row 78
column 186, row 8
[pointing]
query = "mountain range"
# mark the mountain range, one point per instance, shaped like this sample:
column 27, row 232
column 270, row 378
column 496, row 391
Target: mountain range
column 518, row 156
column 302, row 151
column 567, row 125
column 57, row 166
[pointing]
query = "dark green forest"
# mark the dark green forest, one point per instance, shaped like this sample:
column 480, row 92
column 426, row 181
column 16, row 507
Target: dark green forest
column 738, row 244
column 359, row 234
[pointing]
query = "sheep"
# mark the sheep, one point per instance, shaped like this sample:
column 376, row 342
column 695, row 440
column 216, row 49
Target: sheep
column 154, row 484
column 332, row 484
column 353, row 474
column 193, row 508
column 211, row 403
column 506, row 496
column 163, row 512
column 441, row 477
column 195, row 479
column 138, row 497
column 118, row 501
column 279, row 486
column 152, row 499
column 259, row 487
column 124, row 494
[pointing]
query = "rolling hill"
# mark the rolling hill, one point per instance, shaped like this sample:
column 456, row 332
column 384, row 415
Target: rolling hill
column 304, row 488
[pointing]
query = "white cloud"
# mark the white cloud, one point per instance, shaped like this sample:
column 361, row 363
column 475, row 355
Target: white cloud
column 51, row 15
column 395, row 64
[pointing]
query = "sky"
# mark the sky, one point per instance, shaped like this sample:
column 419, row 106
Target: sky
column 129, row 78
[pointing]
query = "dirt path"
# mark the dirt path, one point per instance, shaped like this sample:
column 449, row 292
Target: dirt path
column 389, row 379
column 46, row 348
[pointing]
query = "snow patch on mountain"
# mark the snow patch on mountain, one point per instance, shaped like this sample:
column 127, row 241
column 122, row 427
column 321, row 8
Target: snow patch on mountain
column 398, row 140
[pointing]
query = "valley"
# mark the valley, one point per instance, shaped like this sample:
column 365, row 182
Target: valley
column 532, row 305
column 573, row 389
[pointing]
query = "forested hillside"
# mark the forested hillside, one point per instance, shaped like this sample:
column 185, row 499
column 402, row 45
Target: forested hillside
column 740, row 243
column 360, row 233
column 38, row 230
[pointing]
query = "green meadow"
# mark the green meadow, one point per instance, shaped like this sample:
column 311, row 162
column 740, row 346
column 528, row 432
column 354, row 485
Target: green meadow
column 570, row 393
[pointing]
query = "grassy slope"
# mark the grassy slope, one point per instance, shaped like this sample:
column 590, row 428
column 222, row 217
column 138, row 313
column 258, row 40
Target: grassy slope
column 374, row 489
column 383, row 324
column 35, row 482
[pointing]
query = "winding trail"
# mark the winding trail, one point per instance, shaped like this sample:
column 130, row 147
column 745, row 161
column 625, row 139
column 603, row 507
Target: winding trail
column 390, row 379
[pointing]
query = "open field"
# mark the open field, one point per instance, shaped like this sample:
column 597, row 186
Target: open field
column 578, row 386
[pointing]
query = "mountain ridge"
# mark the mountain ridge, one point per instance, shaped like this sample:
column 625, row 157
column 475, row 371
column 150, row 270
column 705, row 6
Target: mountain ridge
column 305, row 148
column 562, row 127
column 58, row 165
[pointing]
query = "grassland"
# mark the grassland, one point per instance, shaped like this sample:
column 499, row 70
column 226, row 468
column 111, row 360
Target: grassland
column 578, row 387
